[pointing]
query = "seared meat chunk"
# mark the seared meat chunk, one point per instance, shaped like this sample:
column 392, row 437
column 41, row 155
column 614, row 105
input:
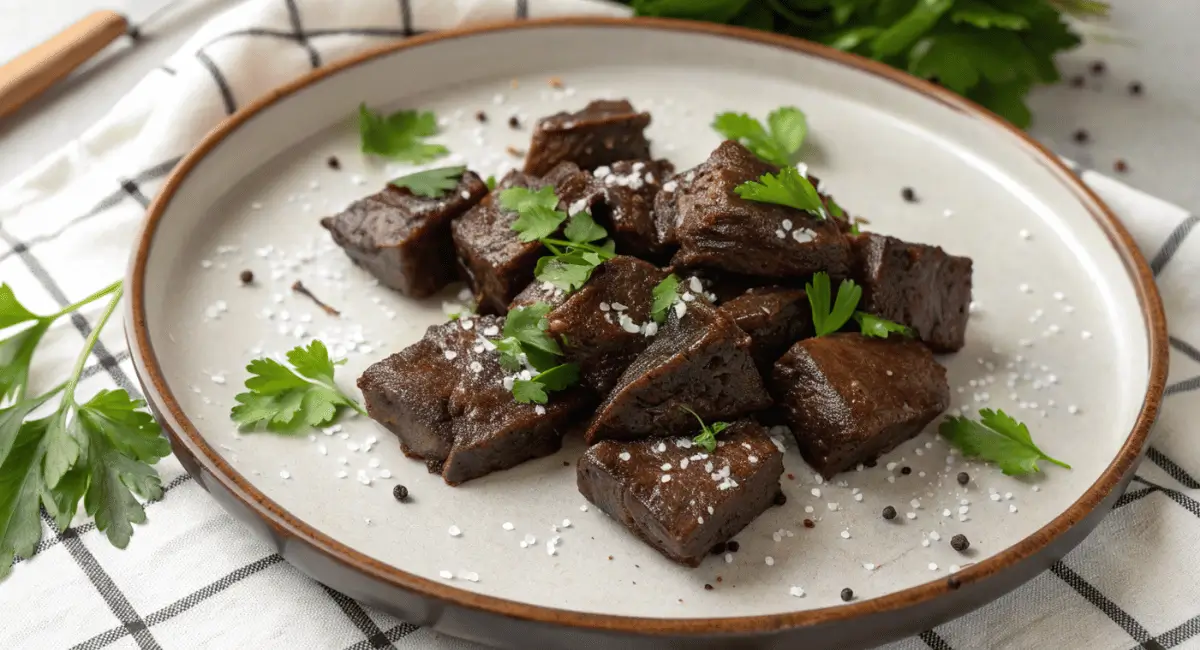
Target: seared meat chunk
column 850, row 399
column 403, row 239
column 606, row 323
column 496, row 263
column 600, row 134
column 445, row 400
column 918, row 285
column 666, row 206
column 718, row 229
column 699, row 359
column 775, row 318
column 624, row 204
column 702, row 500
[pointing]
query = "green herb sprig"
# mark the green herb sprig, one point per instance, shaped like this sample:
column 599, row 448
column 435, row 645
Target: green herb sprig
column 990, row 52
column 431, row 183
column 789, row 188
column 707, row 438
column 573, row 259
column 998, row 438
column 400, row 135
column 526, row 342
column 100, row 451
column 829, row 319
column 665, row 295
column 776, row 143
column 284, row 399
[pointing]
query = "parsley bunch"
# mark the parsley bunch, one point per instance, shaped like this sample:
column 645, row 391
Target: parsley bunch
column 827, row 319
column 100, row 451
column 997, row 438
column 573, row 259
column 990, row 51
column 526, row 346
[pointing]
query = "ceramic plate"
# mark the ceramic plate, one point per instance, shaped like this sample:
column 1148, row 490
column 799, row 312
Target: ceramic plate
column 1066, row 333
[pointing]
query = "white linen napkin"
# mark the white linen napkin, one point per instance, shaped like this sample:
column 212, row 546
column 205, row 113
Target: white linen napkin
column 194, row 578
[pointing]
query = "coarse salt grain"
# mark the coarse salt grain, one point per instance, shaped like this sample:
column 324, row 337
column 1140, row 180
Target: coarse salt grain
column 729, row 558
column 845, row 534
column 934, row 535
column 283, row 474
column 769, row 560
column 910, row 515
column 868, row 566
column 446, row 575
column 796, row 591
column 932, row 566
column 1012, row 507
column 816, row 492
column 455, row 531
column 858, row 497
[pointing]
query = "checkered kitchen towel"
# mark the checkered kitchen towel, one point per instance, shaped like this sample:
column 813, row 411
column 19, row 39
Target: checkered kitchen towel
column 194, row 578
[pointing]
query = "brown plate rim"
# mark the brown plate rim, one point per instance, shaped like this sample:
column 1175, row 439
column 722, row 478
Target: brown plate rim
column 161, row 398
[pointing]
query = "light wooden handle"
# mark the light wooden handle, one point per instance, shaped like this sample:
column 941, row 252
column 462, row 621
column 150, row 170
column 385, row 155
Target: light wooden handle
column 26, row 76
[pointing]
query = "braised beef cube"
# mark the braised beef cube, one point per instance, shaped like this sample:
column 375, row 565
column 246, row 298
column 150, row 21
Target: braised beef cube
column 404, row 239
column 849, row 399
column 600, row 134
column 702, row 500
column 496, row 263
column 918, row 285
column 625, row 204
column 775, row 318
column 666, row 206
column 444, row 398
column 536, row 292
column 718, row 229
column 605, row 324
column 699, row 359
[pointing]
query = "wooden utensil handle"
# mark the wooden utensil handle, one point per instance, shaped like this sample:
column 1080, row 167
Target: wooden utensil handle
column 26, row 76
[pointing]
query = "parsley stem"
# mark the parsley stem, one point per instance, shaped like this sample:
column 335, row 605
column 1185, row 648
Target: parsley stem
column 578, row 245
column 77, row 372
column 90, row 299
column 1056, row 462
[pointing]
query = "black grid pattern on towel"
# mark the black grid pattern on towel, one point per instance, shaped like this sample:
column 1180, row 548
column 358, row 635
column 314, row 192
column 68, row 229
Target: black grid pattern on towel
column 130, row 623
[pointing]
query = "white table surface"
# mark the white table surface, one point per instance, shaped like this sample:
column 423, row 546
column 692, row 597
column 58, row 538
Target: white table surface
column 1157, row 134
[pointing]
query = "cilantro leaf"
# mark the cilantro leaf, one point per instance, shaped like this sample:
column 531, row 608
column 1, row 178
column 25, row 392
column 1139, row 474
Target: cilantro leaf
column 997, row 438
column 431, row 183
column 491, row 183
column 526, row 391
column 777, row 145
column 528, row 325
column 20, row 495
column 283, row 401
column 12, row 312
column 520, row 199
column 707, row 438
column 826, row 320
column 789, row 187
column 665, row 294
column 583, row 229
column 537, row 222
column 877, row 327
column 399, row 135
column 561, row 377
column 510, row 353
column 567, row 272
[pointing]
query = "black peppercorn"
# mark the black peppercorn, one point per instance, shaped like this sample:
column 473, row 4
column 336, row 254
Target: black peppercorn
column 889, row 513
column 334, row 163
column 1120, row 166
column 1097, row 67
column 708, row 587
column 1077, row 81
column 400, row 492
column 909, row 194
column 481, row 116
column 733, row 547
column 246, row 276
column 1135, row 88
column 963, row 478
column 847, row 594
column 960, row 543
column 514, row 122
column 1080, row 136
column 906, row 470
column 780, row 498
column 808, row 523
column 718, row 548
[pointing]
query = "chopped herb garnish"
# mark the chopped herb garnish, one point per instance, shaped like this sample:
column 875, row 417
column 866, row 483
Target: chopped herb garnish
column 997, row 438
column 776, row 143
column 534, row 390
column 400, row 135
column 283, row 399
column 491, row 183
column 431, row 183
column 520, row 199
column 537, row 216
column 666, row 294
column 568, row 271
column 872, row 325
column 573, row 259
column 789, row 187
column 583, row 229
column 827, row 320
column 708, row 432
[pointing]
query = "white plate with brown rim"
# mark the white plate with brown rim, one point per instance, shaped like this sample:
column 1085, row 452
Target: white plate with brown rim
column 1067, row 334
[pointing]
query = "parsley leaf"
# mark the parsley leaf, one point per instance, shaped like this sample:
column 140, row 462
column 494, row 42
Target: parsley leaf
column 776, row 143
column 12, row 312
column 431, row 183
column 665, row 294
column 527, row 391
column 491, row 183
column 21, row 495
column 568, row 271
column 707, row 437
column 399, row 135
column 537, row 222
column 997, row 438
column 583, row 229
column 520, row 199
column 877, row 327
column 789, row 187
column 826, row 320
column 511, row 354
column 535, row 390
column 525, row 340
column 528, row 325
column 283, row 401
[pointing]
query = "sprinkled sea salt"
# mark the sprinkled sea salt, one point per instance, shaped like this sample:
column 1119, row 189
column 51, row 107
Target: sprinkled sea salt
column 769, row 560
column 454, row 531
column 284, row 474
column 796, row 591
column 845, row 534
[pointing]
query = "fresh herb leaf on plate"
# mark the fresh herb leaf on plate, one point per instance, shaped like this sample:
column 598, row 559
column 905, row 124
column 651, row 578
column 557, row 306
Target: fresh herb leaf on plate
column 997, row 438
column 491, row 183
column 520, row 199
column 789, row 188
column 568, row 271
column 665, row 294
column 283, row 399
column 874, row 326
column 431, row 183
column 537, row 222
column 400, row 135
column 775, row 143
column 560, row 377
column 527, row 325
column 583, row 229
column 707, row 438
column 827, row 320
